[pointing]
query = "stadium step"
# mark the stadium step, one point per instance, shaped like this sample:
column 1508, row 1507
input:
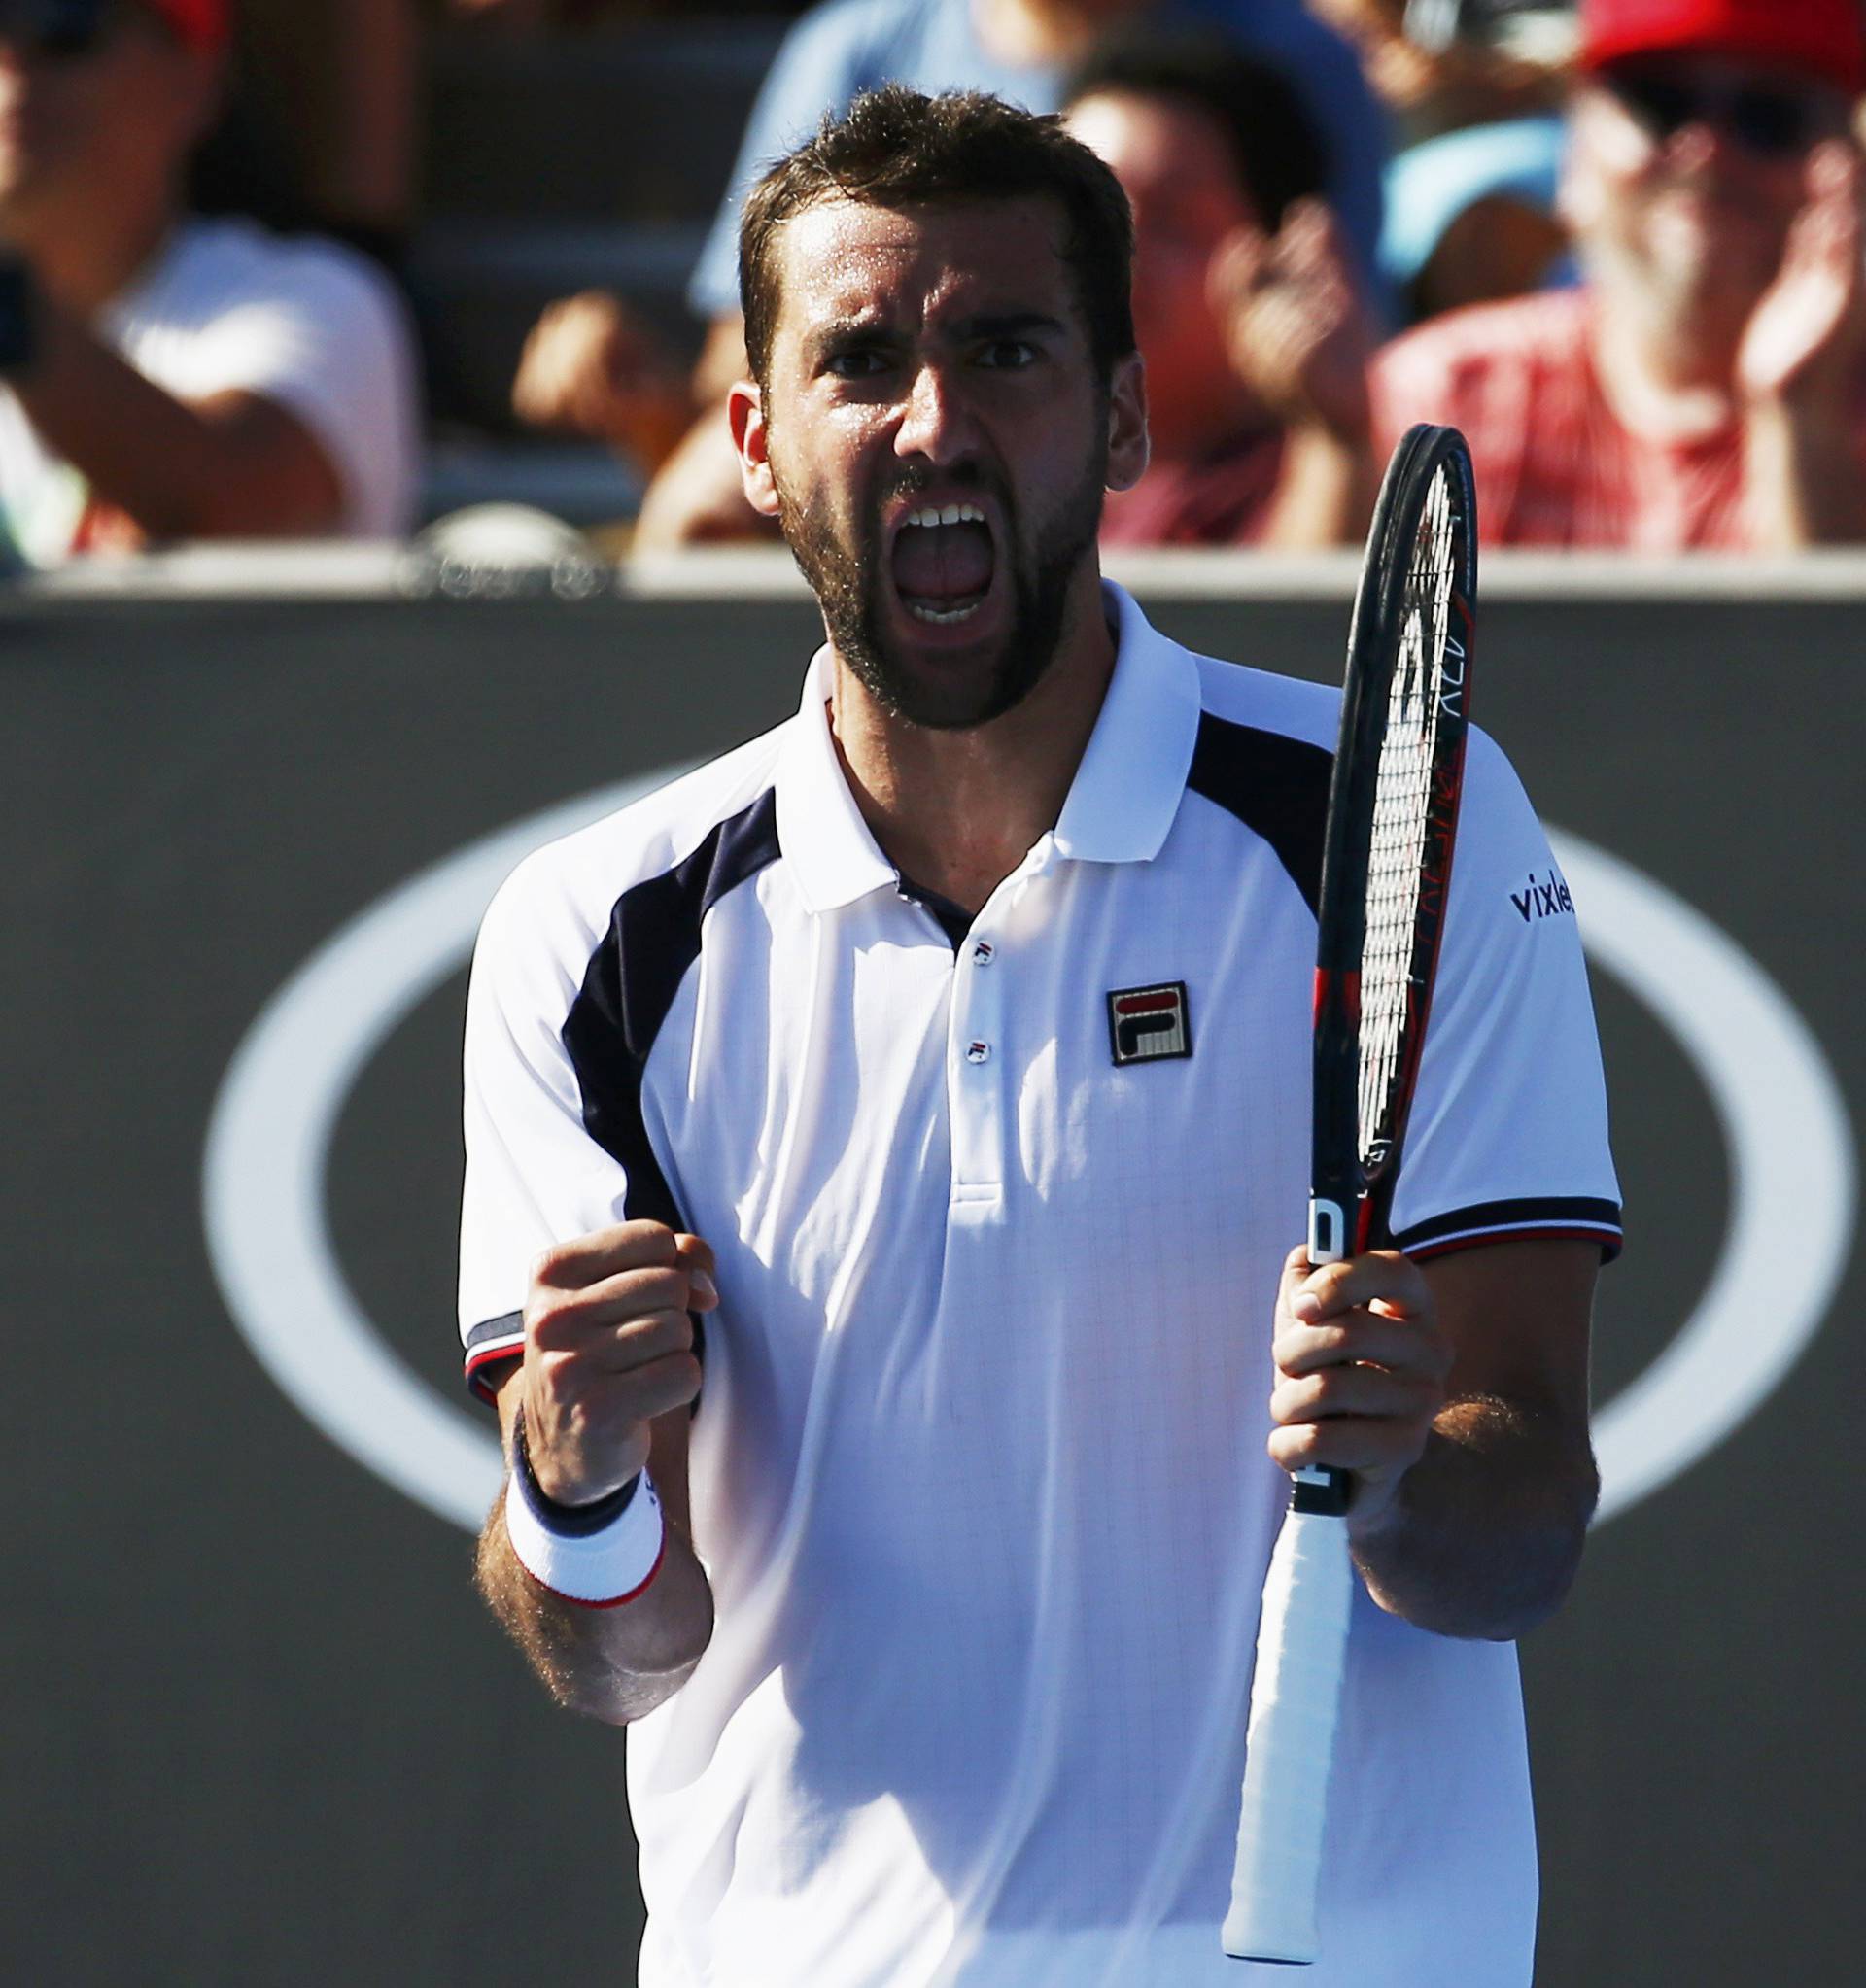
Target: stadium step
column 565, row 163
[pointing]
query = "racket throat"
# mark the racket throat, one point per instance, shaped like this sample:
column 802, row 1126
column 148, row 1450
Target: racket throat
column 1337, row 1229
column 1328, row 1230
column 1340, row 1227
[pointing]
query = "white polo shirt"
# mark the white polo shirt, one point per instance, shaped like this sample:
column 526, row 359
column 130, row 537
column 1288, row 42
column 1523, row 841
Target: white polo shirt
column 227, row 306
column 979, row 1472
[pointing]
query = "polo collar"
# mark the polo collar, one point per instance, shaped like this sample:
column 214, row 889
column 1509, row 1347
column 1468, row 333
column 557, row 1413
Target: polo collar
column 1120, row 806
column 1127, row 788
column 828, row 848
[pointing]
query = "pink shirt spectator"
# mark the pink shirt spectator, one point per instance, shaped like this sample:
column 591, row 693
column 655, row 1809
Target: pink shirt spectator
column 1555, row 464
column 1223, row 498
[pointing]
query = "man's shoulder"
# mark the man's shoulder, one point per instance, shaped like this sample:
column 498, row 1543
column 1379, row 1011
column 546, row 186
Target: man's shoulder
column 1307, row 717
column 1239, row 696
column 564, row 893
column 215, row 267
column 1545, row 326
column 1515, row 376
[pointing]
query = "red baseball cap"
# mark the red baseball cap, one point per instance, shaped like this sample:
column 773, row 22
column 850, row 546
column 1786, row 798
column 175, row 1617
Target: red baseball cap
column 1823, row 39
column 199, row 24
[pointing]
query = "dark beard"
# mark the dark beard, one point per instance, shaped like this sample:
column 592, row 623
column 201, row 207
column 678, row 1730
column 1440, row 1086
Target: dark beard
column 848, row 577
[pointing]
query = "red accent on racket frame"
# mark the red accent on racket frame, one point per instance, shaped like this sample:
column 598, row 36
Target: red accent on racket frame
column 1350, row 995
column 1363, row 1226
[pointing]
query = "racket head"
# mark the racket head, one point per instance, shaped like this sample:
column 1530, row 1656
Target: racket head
column 1391, row 823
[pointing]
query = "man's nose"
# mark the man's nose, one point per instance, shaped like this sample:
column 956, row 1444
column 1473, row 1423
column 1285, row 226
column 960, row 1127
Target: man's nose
column 1701, row 141
column 934, row 421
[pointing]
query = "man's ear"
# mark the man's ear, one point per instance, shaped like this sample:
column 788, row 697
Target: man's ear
column 1127, row 445
column 746, row 411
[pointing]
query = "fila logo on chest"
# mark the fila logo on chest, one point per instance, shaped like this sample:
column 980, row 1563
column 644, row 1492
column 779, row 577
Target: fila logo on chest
column 1148, row 1024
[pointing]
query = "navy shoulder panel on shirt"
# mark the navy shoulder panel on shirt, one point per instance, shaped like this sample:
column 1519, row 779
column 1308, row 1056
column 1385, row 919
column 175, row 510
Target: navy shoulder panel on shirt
column 1275, row 785
column 630, row 984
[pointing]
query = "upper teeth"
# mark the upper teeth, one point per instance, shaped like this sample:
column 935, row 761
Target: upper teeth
column 945, row 514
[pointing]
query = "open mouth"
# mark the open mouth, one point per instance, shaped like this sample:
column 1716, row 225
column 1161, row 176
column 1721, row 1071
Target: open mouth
column 944, row 561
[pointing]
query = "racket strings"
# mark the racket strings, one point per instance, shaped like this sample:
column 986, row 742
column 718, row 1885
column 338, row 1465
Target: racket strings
column 1402, row 814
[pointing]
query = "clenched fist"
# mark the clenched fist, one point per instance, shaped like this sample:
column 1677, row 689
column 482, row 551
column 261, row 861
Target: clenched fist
column 1361, row 1364
column 591, row 366
column 608, row 1346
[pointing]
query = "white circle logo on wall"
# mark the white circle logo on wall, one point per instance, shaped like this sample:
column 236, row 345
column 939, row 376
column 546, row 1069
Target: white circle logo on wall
column 1789, row 1144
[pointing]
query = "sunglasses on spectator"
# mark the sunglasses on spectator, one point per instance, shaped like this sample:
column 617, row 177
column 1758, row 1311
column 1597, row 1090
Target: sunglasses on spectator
column 69, row 28
column 1769, row 122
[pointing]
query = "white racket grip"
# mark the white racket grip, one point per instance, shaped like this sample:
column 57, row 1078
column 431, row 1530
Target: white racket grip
column 1295, row 1699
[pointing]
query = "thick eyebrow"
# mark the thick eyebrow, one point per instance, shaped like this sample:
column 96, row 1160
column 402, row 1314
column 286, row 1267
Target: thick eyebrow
column 851, row 334
column 990, row 324
column 846, row 334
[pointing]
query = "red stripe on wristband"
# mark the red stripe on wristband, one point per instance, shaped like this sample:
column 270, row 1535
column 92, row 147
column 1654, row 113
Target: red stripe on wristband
column 577, row 1602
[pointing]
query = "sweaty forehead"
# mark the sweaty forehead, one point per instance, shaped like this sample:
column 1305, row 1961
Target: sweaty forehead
column 844, row 261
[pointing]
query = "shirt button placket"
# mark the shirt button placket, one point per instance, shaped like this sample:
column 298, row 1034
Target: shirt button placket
column 978, row 1104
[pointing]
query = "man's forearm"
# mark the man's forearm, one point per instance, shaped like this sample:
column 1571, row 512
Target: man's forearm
column 1485, row 1534
column 612, row 1663
column 177, row 471
column 1325, row 493
column 1801, row 479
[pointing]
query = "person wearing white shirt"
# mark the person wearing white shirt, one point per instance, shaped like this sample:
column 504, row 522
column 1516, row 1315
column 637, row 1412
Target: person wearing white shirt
column 170, row 377
column 944, row 1053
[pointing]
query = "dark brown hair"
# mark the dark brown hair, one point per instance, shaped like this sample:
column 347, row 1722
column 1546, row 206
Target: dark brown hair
column 896, row 148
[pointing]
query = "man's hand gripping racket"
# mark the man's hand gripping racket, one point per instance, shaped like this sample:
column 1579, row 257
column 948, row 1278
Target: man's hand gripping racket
column 1386, row 873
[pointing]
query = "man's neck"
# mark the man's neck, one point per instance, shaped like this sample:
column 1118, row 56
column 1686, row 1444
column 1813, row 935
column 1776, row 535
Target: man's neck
column 1667, row 374
column 959, row 810
column 84, row 261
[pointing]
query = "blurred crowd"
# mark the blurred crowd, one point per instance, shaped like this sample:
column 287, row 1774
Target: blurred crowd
column 1618, row 244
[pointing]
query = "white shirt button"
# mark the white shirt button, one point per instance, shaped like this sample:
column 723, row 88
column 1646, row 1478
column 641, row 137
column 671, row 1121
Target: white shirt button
column 978, row 1052
column 984, row 953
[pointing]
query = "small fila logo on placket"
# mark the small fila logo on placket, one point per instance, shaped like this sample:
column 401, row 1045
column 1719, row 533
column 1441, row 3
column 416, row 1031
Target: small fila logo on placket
column 1149, row 1022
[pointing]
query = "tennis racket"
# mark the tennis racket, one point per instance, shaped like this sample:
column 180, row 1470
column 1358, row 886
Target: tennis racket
column 1386, row 873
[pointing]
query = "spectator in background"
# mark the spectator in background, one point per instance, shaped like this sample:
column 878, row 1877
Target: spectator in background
column 540, row 17
column 1475, row 87
column 335, row 85
column 177, row 378
column 589, row 366
column 1443, row 65
column 1471, row 216
column 1704, row 385
column 1245, row 305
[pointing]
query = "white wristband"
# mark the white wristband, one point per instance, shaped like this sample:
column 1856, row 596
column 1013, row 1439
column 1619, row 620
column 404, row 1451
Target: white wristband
column 594, row 1569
